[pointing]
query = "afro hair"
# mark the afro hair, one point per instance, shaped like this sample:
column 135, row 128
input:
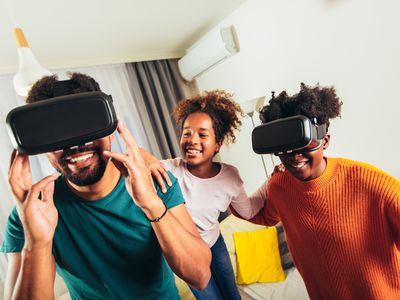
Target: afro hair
column 317, row 102
column 44, row 87
column 225, row 113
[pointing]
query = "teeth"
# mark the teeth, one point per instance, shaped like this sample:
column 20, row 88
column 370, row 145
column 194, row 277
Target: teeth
column 81, row 158
column 299, row 165
column 193, row 151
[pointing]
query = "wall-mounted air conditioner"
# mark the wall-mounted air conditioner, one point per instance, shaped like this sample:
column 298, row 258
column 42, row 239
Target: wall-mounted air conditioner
column 211, row 49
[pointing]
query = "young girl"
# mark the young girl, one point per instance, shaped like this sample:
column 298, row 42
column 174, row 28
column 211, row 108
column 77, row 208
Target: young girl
column 207, row 121
column 341, row 217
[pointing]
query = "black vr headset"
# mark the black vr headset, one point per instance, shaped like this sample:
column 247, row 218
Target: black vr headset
column 281, row 136
column 61, row 122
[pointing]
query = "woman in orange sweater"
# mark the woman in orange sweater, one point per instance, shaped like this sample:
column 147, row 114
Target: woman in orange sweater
column 341, row 217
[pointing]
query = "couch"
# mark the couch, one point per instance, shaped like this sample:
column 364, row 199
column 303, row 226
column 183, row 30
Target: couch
column 292, row 288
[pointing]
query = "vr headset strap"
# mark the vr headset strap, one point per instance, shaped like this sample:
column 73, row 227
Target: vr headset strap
column 321, row 131
column 321, row 128
column 62, row 88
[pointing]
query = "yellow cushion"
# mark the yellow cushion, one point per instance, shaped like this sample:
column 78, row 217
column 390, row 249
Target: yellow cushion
column 184, row 291
column 257, row 256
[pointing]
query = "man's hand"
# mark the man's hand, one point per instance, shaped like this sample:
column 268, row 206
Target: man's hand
column 39, row 217
column 137, row 175
column 19, row 176
column 186, row 253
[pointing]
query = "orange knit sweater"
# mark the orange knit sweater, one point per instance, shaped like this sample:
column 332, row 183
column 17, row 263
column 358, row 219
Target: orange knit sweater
column 342, row 228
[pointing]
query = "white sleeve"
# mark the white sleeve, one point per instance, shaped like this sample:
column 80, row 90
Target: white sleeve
column 247, row 206
column 171, row 164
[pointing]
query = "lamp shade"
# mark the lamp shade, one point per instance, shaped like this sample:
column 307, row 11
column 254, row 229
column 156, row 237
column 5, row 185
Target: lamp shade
column 252, row 105
column 29, row 69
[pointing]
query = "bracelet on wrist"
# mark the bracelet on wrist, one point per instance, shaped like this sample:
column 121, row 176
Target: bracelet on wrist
column 160, row 217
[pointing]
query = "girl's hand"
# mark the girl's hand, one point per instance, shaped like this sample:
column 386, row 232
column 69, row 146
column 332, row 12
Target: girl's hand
column 159, row 172
column 278, row 169
column 157, row 169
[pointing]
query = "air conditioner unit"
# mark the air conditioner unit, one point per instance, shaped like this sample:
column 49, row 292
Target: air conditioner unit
column 206, row 53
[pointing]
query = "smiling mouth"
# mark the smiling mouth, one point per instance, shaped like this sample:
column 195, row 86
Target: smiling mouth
column 79, row 158
column 298, row 165
column 193, row 151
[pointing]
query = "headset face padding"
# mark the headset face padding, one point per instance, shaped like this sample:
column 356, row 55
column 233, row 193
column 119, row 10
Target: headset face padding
column 297, row 133
column 61, row 122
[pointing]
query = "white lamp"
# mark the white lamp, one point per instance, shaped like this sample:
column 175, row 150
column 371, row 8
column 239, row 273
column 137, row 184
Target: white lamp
column 29, row 68
column 252, row 105
column 249, row 107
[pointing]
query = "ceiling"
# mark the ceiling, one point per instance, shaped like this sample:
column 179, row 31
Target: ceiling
column 78, row 33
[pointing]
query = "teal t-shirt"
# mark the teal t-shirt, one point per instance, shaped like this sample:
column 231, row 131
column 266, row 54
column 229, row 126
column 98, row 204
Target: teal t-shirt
column 105, row 249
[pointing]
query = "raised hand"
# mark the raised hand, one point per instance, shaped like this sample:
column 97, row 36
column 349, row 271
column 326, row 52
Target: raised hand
column 137, row 175
column 176, row 233
column 38, row 216
column 19, row 176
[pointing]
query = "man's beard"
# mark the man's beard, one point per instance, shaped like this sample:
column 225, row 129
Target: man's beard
column 87, row 175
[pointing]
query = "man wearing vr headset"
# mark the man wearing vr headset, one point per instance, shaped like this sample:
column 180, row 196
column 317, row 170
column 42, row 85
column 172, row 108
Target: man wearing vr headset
column 103, row 224
column 341, row 217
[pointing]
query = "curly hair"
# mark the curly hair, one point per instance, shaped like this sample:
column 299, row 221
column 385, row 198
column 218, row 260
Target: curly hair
column 313, row 102
column 225, row 113
column 44, row 87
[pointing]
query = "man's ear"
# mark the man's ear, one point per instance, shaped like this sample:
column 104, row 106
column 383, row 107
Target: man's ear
column 325, row 141
column 112, row 138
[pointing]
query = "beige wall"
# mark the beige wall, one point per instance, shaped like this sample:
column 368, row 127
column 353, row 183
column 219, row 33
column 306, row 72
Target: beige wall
column 351, row 44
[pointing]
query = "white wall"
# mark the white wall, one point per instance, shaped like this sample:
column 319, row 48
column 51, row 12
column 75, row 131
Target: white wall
column 353, row 45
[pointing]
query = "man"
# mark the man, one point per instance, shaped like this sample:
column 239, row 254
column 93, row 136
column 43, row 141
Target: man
column 102, row 224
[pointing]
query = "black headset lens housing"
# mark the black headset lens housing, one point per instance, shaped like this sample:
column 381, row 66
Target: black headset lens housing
column 61, row 122
column 286, row 135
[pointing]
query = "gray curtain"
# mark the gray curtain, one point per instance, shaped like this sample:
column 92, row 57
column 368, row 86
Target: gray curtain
column 156, row 87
